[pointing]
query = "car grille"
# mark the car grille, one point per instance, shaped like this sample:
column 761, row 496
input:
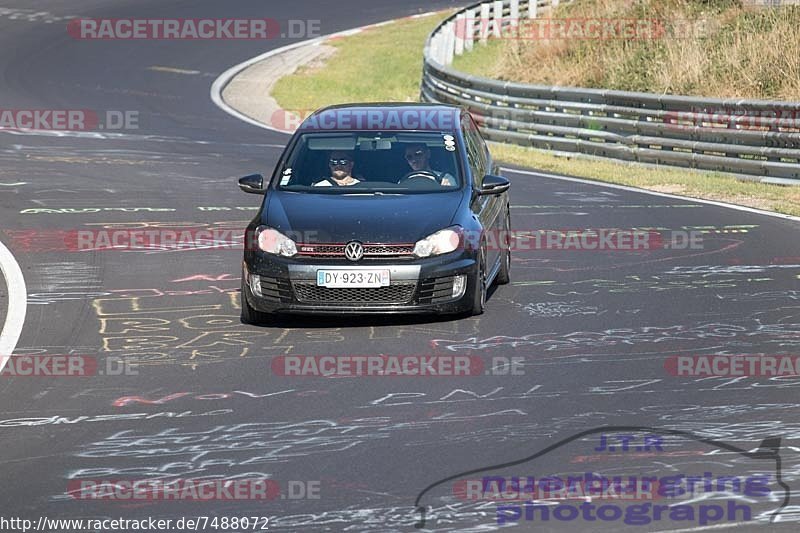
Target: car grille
column 396, row 293
column 436, row 290
column 371, row 251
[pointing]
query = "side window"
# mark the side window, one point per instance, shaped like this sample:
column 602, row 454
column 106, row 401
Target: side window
column 476, row 153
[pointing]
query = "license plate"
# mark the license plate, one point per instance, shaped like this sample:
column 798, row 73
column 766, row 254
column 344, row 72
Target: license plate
column 352, row 278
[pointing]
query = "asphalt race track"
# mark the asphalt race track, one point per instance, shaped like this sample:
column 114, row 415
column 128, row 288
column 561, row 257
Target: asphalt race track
column 593, row 330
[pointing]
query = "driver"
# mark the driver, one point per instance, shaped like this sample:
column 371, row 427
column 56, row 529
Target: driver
column 418, row 156
column 340, row 164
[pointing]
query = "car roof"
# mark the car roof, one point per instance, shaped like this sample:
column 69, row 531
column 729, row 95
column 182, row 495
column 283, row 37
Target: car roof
column 385, row 116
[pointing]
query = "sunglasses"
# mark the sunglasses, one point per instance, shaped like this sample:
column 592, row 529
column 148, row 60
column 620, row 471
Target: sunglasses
column 339, row 162
column 415, row 155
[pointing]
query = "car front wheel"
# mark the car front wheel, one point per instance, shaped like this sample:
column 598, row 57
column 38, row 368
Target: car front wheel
column 504, row 273
column 479, row 295
column 249, row 315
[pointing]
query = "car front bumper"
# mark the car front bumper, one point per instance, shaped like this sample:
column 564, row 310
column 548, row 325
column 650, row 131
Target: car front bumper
column 288, row 285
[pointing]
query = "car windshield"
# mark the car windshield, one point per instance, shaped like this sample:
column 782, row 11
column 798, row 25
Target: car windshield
column 370, row 162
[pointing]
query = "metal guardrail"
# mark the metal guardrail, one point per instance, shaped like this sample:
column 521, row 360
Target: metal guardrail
column 745, row 137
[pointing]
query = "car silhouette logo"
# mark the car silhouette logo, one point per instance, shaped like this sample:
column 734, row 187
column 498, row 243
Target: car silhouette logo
column 354, row 251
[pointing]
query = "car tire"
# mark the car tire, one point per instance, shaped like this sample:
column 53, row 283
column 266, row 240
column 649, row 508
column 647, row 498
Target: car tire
column 249, row 315
column 479, row 295
column 504, row 273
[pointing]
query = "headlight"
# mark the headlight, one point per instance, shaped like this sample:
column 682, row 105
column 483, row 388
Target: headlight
column 275, row 242
column 441, row 242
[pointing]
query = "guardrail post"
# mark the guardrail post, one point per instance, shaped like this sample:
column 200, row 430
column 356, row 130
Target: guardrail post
column 469, row 28
column 460, row 30
column 485, row 22
column 449, row 43
column 532, row 4
column 497, row 17
column 436, row 47
column 514, row 14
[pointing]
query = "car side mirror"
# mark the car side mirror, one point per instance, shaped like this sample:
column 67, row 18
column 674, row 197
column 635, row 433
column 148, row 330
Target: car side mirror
column 254, row 184
column 494, row 185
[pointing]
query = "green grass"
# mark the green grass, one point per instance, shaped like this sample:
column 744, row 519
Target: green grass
column 481, row 59
column 378, row 65
column 709, row 186
column 385, row 64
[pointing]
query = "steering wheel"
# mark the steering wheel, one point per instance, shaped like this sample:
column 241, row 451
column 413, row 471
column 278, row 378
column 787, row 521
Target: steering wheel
column 419, row 175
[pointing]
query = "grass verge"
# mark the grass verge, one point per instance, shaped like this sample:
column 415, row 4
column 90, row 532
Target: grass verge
column 708, row 186
column 382, row 64
column 716, row 48
column 385, row 64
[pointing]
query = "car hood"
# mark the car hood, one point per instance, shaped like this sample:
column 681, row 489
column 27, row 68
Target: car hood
column 338, row 218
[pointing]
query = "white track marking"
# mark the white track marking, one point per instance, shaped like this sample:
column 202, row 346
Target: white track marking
column 17, row 304
column 653, row 193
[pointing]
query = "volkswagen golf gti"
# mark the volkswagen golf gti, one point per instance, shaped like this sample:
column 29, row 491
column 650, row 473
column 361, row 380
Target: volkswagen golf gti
column 378, row 208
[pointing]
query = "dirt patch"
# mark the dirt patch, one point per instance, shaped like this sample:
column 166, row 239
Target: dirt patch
column 319, row 61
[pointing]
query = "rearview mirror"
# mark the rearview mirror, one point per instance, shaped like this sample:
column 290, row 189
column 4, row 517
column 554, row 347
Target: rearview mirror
column 254, row 184
column 494, row 185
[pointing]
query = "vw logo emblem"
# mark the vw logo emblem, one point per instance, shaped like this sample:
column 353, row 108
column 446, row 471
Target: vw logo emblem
column 354, row 251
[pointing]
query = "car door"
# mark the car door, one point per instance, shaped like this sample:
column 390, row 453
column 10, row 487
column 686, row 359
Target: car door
column 488, row 208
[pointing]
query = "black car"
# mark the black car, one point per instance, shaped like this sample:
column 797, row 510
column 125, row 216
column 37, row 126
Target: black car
column 378, row 208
